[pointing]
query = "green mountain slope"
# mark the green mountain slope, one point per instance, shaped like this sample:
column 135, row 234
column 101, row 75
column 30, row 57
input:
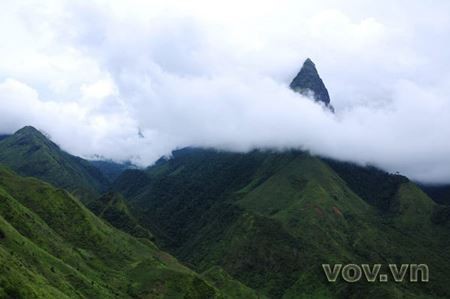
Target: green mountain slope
column 271, row 219
column 113, row 208
column 28, row 152
column 51, row 246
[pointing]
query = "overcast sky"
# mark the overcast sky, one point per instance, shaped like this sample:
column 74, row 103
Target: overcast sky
column 136, row 79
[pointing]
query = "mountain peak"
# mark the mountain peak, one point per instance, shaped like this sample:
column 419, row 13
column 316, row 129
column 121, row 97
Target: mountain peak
column 308, row 61
column 32, row 135
column 308, row 81
column 30, row 130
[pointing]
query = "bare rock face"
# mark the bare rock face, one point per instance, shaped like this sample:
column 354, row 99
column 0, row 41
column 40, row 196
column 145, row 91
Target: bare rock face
column 309, row 83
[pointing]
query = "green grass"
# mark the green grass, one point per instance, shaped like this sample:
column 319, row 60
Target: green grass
column 51, row 246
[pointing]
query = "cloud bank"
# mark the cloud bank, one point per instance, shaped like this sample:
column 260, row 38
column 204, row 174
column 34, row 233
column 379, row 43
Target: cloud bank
column 137, row 79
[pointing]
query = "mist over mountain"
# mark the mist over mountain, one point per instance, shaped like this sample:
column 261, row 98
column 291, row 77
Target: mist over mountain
column 251, row 225
column 182, row 77
column 223, row 213
column 190, row 149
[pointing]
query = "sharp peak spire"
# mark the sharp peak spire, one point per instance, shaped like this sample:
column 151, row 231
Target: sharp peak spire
column 308, row 81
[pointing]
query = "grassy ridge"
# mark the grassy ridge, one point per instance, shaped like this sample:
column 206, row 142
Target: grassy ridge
column 29, row 153
column 51, row 246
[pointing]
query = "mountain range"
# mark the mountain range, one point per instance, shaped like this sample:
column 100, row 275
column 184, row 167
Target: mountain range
column 205, row 223
column 52, row 246
column 243, row 224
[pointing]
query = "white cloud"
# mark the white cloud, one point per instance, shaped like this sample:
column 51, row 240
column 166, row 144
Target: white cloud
column 216, row 73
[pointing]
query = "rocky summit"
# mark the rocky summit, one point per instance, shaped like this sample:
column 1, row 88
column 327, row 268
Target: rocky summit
column 309, row 83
